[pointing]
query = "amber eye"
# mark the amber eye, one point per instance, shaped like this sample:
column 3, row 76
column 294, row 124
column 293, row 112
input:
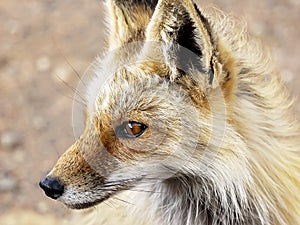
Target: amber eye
column 130, row 129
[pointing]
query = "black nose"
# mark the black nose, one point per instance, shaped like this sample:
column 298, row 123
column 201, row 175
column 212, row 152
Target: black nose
column 52, row 187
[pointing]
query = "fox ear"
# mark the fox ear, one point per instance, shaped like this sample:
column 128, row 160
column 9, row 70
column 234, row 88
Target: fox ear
column 188, row 44
column 128, row 20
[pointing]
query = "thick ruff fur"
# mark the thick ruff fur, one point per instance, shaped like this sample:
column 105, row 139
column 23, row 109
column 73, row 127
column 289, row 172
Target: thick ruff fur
column 221, row 144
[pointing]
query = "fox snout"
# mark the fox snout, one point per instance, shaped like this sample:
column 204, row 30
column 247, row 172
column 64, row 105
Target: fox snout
column 52, row 187
column 83, row 171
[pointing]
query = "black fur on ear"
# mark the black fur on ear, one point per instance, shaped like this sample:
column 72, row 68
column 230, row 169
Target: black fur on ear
column 128, row 20
column 129, row 3
column 182, row 23
column 185, row 36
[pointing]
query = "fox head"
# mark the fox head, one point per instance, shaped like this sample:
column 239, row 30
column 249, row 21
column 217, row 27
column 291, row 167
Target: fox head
column 162, row 113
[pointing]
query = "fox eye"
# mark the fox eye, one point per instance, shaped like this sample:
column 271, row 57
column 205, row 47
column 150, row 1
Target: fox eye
column 130, row 129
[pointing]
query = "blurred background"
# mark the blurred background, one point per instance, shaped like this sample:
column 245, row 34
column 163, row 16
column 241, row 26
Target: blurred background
column 42, row 44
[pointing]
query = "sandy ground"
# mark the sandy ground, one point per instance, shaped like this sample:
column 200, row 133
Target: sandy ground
column 39, row 41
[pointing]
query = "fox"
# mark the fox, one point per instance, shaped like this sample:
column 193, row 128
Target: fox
column 187, row 122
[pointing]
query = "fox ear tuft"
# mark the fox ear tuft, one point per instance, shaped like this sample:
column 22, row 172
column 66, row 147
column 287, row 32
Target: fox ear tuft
column 128, row 20
column 186, row 36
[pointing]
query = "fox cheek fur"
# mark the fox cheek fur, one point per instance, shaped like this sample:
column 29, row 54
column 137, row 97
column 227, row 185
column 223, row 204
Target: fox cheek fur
column 193, row 115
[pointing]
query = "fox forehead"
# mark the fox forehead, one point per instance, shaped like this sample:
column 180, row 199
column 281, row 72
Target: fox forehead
column 129, row 89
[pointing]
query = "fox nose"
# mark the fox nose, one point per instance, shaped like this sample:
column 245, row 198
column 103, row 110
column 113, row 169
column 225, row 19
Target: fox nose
column 52, row 187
